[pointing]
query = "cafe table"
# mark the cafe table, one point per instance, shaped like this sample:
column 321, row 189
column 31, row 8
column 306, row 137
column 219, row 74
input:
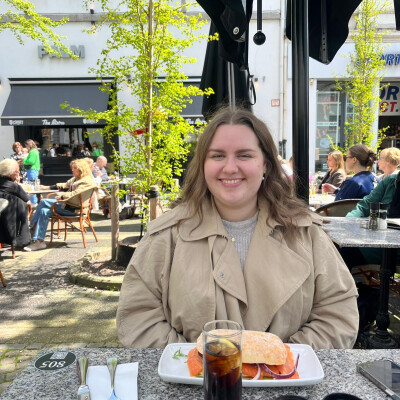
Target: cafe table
column 320, row 199
column 339, row 369
column 347, row 232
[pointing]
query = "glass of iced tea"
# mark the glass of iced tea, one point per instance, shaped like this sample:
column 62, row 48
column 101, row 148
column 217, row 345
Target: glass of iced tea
column 222, row 360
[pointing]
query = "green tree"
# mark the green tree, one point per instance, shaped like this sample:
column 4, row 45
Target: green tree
column 365, row 71
column 145, row 54
column 24, row 21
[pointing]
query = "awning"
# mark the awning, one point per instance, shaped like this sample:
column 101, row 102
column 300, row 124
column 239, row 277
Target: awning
column 39, row 104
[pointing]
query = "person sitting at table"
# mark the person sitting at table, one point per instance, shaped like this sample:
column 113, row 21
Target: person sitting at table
column 18, row 156
column 335, row 174
column 100, row 169
column 81, row 181
column 388, row 162
column 359, row 159
column 239, row 246
column 14, row 227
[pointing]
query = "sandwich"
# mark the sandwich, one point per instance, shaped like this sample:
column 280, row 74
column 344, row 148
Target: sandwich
column 264, row 356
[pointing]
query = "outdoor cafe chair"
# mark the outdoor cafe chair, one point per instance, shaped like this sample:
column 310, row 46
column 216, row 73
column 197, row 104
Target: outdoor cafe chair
column 337, row 208
column 83, row 217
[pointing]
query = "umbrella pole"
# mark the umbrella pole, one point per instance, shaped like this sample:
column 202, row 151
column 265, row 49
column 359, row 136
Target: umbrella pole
column 300, row 98
column 231, row 85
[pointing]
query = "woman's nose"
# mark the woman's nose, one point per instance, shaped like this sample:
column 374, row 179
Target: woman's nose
column 230, row 165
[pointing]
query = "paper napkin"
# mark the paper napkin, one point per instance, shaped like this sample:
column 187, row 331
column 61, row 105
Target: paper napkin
column 125, row 384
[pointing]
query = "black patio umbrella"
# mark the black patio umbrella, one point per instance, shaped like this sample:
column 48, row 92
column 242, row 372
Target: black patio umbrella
column 230, row 84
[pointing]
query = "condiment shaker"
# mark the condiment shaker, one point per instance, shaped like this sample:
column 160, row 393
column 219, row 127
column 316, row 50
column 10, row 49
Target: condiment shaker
column 373, row 216
column 382, row 222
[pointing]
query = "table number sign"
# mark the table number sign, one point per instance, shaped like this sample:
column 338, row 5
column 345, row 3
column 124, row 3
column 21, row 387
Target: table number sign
column 55, row 361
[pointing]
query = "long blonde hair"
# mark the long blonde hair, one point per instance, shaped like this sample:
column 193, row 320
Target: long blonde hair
column 276, row 187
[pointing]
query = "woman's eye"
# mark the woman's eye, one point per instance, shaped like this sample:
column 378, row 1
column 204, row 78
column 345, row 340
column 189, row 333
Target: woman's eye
column 217, row 156
column 244, row 156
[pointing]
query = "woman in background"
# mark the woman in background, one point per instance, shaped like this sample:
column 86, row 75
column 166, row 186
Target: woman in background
column 18, row 156
column 335, row 174
column 388, row 162
column 32, row 165
column 359, row 159
column 81, row 181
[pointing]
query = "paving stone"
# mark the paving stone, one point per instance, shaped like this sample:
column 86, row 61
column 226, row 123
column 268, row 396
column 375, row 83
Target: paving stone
column 112, row 344
column 9, row 346
column 7, row 364
column 10, row 376
column 13, row 353
column 4, row 386
column 34, row 346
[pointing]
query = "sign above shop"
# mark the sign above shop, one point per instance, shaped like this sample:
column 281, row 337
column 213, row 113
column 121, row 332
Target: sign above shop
column 77, row 50
column 390, row 101
column 391, row 59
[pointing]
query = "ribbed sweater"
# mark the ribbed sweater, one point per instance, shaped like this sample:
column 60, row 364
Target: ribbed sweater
column 241, row 233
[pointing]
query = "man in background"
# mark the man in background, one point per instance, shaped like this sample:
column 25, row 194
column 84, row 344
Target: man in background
column 100, row 170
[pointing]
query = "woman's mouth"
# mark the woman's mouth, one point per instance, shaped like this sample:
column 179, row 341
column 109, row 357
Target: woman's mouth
column 230, row 181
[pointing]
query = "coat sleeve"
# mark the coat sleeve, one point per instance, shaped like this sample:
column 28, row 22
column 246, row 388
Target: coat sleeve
column 82, row 185
column 143, row 318
column 338, row 178
column 333, row 320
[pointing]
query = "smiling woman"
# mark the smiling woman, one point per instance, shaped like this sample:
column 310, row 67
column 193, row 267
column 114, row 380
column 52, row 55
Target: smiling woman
column 239, row 246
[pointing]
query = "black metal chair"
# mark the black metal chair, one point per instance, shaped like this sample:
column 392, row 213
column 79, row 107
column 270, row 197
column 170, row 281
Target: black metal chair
column 337, row 208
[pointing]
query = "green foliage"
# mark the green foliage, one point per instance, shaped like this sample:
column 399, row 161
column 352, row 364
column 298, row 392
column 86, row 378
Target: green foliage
column 24, row 21
column 145, row 54
column 365, row 70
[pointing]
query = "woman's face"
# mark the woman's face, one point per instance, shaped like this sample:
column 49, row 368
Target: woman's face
column 233, row 169
column 382, row 163
column 331, row 163
column 350, row 161
column 75, row 171
column 18, row 148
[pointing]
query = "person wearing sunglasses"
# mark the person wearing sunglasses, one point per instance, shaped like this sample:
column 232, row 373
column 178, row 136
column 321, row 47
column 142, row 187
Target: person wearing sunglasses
column 359, row 160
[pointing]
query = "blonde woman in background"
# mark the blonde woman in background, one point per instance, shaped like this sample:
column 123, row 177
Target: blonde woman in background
column 81, row 181
column 388, row 162
column 336, row 173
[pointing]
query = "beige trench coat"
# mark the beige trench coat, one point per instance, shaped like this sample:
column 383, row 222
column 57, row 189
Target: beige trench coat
column 75, row 188
column 182, row 276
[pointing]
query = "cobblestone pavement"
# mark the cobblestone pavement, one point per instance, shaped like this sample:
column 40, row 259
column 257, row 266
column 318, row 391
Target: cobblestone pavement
column 41, row 309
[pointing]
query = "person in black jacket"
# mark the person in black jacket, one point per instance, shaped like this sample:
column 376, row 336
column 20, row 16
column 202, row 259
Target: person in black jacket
column 14, row 227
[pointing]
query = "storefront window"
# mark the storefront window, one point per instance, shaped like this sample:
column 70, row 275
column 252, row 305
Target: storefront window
column 331, row 106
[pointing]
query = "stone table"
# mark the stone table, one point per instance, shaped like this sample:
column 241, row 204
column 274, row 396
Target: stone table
column 347, row 232
column 339, row 368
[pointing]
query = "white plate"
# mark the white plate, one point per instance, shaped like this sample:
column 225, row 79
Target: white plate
column 176, row 371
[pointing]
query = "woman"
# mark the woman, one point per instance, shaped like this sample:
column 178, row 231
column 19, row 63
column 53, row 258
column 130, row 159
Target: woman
column 389, row 161
column 14, row 228
column 335, row 174
column 359, row 159
column 18, row 156
column 239, row 246
column 81, row 181
column 32, row 165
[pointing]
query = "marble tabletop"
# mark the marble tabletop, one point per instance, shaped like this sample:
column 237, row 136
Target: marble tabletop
column 347, row 232
column 339, row 368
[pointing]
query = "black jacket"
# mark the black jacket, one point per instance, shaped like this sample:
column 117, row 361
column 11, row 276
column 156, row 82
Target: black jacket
column 14, row 223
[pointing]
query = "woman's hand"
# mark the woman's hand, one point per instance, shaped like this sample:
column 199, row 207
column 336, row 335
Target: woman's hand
column 58, row 197
column 328, row 188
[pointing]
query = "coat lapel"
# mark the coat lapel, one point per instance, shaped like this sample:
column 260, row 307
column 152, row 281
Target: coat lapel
column 269, row 264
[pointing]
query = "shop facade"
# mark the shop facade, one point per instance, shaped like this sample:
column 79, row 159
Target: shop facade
column 34, row 84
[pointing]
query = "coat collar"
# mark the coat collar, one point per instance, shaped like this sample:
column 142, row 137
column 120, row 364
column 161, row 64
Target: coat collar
column 212, row 224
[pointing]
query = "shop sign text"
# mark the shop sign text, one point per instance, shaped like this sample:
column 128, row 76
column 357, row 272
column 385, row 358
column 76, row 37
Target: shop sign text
column 52, row 122
column 16, row 122
column 389, row 97
column 77, row 50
